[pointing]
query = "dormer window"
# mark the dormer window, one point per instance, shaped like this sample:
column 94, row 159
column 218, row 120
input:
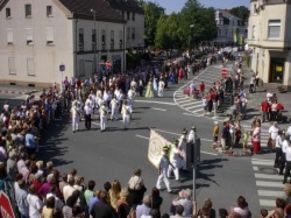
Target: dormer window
column 8, row 12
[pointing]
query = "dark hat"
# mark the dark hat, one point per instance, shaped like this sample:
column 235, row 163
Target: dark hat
column 184, row 131
column 166, row 148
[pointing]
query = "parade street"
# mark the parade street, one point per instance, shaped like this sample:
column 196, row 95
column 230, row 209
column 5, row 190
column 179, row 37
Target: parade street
column 115, row 153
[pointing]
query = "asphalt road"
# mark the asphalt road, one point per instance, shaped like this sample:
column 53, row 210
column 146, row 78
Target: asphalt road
column 115, row 153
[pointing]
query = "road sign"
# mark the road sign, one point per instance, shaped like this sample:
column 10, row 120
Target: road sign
column 6, row 209
column 62, row 67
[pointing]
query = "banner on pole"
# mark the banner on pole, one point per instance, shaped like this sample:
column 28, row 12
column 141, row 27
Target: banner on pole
column 155, row 151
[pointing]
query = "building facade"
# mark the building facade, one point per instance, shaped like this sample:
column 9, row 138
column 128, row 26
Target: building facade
column 270, row 40
column 230, row 29
column 36, row 37
column 134, row 16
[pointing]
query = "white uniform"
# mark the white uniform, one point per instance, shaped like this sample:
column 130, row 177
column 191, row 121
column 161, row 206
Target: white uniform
column 103, row 117
column 177, row 162
column 130, row 96
column 161, row 87
column 75, row 116
column 163, row 177
column 182, row 146
column 114, row 109
column 125, row 111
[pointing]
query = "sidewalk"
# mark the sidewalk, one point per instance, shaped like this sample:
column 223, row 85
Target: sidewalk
column 17, row 90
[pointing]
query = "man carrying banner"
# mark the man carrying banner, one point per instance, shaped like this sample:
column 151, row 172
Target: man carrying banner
column 163, row 169
column 177, row 161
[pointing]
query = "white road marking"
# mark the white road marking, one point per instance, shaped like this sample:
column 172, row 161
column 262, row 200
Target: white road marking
column 262, row 163
column 269, row 184
column 193, row 107
column 158, row 109
column 209, row 153
column 95, row 123
column 267, row 203
column 155, row 102
column 268, row 193
column 186, row 99
column 197, row 110
column 268, row 176
column 179, row 134
column 192, row 115
column 255, row 168
column 142, row 137
column 188, row 103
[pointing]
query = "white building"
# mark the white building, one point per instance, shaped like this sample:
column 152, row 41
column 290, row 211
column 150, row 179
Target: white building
column 270, row 40
column 230, row 29
column 36, row 37
column 134, row 16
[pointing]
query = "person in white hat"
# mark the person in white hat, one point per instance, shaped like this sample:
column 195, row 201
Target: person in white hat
column 163, row 169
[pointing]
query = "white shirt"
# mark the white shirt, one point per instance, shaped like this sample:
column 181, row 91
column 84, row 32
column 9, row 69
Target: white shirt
column 279, row 141
column 35, row 205
column 88, row 109
column 273, row 132
column 289, row 132
column 191, row 138
column 288, row 153
column 285, row 145
column 68, row 191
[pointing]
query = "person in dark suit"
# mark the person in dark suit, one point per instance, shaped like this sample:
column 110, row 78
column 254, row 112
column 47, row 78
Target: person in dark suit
column 101, row 208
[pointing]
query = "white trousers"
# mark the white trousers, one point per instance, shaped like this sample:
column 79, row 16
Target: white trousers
column 175, row 170
column 103, row 122
column 160, row 92
column 163, row 178
column 75, row 123
column 126, row 119
column 114, row 113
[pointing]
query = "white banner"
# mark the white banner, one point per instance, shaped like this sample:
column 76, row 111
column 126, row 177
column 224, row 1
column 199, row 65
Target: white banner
column 156, row 144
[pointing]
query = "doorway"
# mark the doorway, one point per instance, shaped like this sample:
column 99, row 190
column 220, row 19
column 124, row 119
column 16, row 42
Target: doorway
column 277, row 70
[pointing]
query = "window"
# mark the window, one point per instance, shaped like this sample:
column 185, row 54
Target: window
column 127, row 33
column 9, row 36
column 29, row 36
column 128, row 15
column 8, row 12
column 103, row 39
column 81, row 39
column 133, row 16
column 120, row 39
column 49, row 11
column 133, row 34
column 49, row 36
column 112, row 40
column 30, row 66
column 11, row 65
column 254, row 32
column 28, row 10
column 94, row 41
column 274, row 28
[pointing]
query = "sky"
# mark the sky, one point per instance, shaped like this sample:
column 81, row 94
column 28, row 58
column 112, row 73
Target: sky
column 176, row 5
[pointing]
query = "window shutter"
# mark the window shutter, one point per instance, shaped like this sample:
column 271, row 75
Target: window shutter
column 29, row 35
column 9, row 36
column 49, row 34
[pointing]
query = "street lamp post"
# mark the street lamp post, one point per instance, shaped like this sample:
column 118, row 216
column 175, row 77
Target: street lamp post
column 191, row 37
column 95, row 38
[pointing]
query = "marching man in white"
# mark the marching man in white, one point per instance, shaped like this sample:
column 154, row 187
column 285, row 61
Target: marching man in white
column 75, row 113
column 103, row 117
column 130, row 97
column 183, row 144
column 161, row 87
column 125, row 112
column 114, row 109
column 177, row 161
column 163, row 169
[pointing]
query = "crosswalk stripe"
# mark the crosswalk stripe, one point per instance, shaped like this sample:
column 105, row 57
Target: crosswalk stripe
column 269, row 184
column 255, row 168
column 262, row 163
column 268, row 176
column 184, row 101
column 268, row 193
column 193, row 107
column 267, row 203
column 188, row 103
column 197, row 111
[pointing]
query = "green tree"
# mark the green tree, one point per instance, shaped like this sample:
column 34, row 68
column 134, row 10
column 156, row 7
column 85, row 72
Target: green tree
column 152, row 13
column 197, row 23
column 241, row 12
